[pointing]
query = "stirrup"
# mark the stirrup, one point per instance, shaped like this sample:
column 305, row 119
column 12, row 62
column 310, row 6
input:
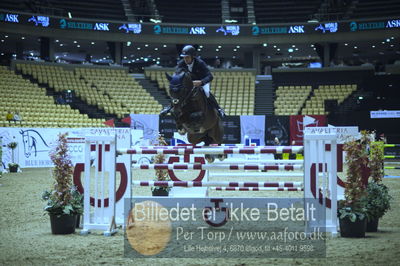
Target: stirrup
column 165, row 111
column 221, row 113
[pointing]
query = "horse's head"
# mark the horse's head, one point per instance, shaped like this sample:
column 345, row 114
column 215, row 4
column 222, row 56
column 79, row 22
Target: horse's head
column 180, row 85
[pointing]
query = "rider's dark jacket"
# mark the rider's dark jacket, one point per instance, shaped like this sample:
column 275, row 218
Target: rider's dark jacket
column 199, row 71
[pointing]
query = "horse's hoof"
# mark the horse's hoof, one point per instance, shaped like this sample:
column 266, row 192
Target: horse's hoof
column 209, row 158
column 222, row 157
column 181, row 131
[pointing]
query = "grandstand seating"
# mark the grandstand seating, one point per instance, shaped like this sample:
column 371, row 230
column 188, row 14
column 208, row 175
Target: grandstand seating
column 290, row 99
column 376, row 8
column 315, row 105
column 126, row 94
column 35, row 107
column 189, row 11
column 234, row 90
column 111, row 90
column 274, row 11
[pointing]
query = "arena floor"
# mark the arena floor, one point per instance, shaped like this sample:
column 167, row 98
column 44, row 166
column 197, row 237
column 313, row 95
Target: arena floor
column 25, row 237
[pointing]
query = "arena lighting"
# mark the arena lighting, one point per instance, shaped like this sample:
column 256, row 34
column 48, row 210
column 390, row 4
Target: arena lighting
column 23, row 38
column 92, row 43
column 360, row 97
column 75, row 41
column 128, row 44
column 2, row 40
column 238, row 46
column 265, row 45
column 312, row 45
column 346, row 44
column 235, row 50
column 231, row 21
column 7, row 36
column 61, row 44
column 155, row 20
column 387, row 40
column 78, row 46
column 57, row 40
column 146, row 45
column 164, row 45
column 290, row 50
column 293, row 45
column 355, row 47
column 274, row 46
column 69, row 15
column 219, row 46
column 138, row 48
column 201, row 46
column 373, row 46
column 156, row 49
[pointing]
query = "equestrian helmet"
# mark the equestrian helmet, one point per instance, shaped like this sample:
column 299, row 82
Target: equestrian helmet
column 188, row 50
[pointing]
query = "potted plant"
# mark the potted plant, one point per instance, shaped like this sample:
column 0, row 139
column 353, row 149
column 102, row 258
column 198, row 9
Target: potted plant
column 12, row 167
column 378, row 198
column 64, row 202
column 161, row 175
column 1, row 157
column 352, row 210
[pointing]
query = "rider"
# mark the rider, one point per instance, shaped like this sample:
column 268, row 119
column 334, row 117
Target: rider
column 201, row 76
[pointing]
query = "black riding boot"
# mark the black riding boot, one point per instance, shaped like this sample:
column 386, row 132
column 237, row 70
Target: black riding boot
column 215, row 104
column 166, row 110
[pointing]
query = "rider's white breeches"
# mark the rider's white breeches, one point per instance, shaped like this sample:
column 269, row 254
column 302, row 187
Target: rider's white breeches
column 206, row 89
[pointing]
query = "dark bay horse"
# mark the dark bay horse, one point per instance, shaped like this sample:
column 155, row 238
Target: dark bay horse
column 192, row 112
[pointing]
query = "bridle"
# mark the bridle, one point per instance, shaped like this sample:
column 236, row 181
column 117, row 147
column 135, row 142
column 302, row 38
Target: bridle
column 183, row 102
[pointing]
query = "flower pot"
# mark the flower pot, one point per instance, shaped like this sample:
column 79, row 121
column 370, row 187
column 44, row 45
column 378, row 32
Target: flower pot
column 352, row 229
column 63, row 224
column 160, row 192
column 13, row 169
column 78, row 221
column 372, row 225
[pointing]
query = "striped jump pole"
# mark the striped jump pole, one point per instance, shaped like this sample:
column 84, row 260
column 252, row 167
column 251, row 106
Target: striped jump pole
column 392, row 167
column 256, row 188
column 183, row 150
column 198, row 166
column 391, row 145
column 392, row 156
column 138, row 183
column 256, row 174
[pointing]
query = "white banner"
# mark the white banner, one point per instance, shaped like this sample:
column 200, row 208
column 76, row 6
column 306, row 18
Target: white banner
column 385, row 114
column 343, row 133
column 148, row 123
column 252, row 129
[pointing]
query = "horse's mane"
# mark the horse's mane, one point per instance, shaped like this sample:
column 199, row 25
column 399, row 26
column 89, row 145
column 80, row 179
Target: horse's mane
column 180, row 70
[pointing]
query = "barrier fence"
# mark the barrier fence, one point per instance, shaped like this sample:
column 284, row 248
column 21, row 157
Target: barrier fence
column 319, row 175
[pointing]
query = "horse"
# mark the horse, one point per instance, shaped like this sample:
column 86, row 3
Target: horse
column 192, row 112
